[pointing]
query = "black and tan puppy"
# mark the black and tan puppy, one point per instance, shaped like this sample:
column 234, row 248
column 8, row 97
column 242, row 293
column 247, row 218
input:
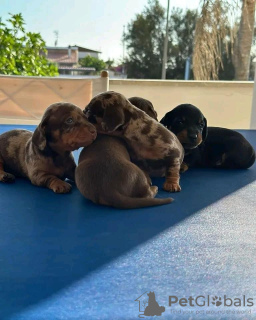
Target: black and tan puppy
column 223, row 148
column 45, row 156
column 106, row 175
column 208, row 147
column 188, row 123
column 145, row 105
column 147, row 139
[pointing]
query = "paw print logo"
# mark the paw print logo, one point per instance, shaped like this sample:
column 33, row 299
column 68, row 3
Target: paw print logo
column 216, row 301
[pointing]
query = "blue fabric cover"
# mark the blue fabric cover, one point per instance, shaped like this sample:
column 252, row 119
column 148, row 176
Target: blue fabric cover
column 62, row 257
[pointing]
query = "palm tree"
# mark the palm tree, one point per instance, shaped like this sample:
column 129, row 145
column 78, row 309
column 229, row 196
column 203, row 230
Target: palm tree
column 243, row 42
column 214, row 30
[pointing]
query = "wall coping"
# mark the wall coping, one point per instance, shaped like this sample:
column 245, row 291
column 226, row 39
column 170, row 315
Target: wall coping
column 191, row 83
column 46, row 78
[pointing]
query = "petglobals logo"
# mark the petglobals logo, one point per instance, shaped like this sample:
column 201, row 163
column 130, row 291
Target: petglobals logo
column 148, row 305
column 207, row 301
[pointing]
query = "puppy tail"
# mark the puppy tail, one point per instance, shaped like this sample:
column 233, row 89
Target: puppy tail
column 124, row 202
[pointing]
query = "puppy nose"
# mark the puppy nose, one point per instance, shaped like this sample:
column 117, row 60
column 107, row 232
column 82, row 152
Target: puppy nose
column 192, row 136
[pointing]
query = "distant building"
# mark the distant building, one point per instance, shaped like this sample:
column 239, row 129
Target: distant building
column 67, row 59
column 117, row 72
column 83, row 52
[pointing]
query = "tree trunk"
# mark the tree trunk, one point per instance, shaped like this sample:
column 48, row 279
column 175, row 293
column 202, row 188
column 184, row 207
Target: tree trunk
column 243, row 44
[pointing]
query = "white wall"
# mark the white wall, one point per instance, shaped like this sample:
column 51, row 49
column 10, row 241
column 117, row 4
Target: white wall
column 224, row 103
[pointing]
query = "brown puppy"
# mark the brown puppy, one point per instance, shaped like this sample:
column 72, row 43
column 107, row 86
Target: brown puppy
column 106, row 175
column 144, row 105
column 45, row 156
column 113, row 114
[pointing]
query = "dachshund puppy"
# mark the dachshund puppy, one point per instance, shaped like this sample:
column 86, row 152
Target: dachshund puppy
column 144, row 105
column 114, row 115
column 207, row 147
column 190, row 126
column 106, row 175
column 45, row 156
column 188, row 123
column 223, row 148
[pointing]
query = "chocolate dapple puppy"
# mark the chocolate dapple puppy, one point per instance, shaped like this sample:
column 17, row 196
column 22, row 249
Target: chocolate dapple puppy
column 106, row 175
column 45, row 156
column 113, row 114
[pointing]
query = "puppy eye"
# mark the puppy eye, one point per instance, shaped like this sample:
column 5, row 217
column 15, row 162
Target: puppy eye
column 201, row 125
column 180, row 122
column 69, row 120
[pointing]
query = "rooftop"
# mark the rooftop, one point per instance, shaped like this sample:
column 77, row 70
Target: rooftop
column 62, row 55
column 81, row 49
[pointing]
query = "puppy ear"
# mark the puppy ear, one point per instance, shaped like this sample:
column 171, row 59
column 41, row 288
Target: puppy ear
column 39, row 135
column 167, row 119
column 113, row 118
column 163, row 121
column 205, row 130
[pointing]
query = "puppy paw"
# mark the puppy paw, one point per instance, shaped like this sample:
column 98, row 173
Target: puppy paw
column 59, row 186
column 7, row 177
column 154, row 190
column 183, row 167
column 171, row 187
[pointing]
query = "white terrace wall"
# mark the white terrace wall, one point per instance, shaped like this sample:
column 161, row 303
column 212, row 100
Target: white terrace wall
column 224, row 103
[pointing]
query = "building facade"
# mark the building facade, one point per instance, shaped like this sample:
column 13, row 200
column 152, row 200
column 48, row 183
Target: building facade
column 67, row 59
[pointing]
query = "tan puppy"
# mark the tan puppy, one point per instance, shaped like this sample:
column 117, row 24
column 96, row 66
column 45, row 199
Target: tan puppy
column 45, row 156
column 113, row 114
column 106, row 176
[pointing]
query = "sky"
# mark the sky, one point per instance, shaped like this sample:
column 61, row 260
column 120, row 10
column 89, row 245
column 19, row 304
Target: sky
column 94, row 24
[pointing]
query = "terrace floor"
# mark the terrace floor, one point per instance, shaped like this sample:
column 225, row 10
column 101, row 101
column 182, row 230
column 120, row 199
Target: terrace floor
column 62, row 257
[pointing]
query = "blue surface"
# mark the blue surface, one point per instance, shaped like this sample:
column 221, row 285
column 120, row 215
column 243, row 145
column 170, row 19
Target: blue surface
column 62, row 257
